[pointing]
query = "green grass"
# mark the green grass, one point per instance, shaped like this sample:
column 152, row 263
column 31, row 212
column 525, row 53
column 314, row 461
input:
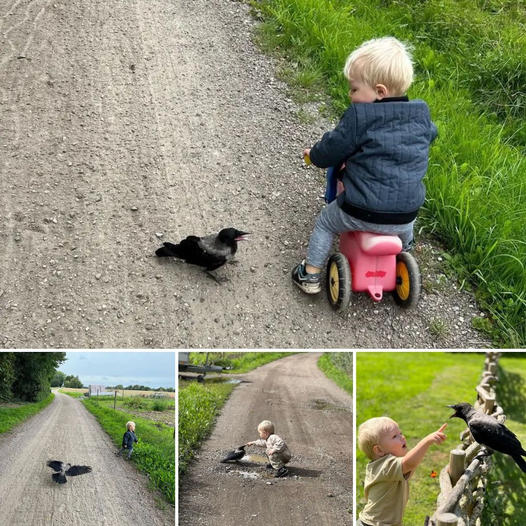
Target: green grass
column 12, row 416
column 238, row 362
column 414, row 389
column 470, row 68
column 199, row 404
column 155, row 452
column 506, row 494
column 338, row 367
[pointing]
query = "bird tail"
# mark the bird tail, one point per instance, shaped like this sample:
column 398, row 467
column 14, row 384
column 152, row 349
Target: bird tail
column 59, row 478
column 520, row 462
column 168, row 250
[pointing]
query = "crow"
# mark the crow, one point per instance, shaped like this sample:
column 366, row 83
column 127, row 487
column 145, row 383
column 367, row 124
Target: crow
column 236, row 454
column 62, row 469
column 488, row 432
column 209, row 252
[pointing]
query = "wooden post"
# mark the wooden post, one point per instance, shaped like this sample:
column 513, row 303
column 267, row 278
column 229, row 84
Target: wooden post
column 457, row 460
column 447, row 519
column 114, row 399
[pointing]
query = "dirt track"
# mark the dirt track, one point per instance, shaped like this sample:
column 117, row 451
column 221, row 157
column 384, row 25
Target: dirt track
column 113, row 494
column 128, row 123
column 314, row 416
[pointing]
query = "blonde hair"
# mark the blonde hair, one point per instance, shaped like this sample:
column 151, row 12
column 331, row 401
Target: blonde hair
column 384, row 61
column 266, row 425
column 370, row 432
column 129, row 424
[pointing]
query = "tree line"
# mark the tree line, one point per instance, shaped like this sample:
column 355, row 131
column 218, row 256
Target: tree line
column 27, row 376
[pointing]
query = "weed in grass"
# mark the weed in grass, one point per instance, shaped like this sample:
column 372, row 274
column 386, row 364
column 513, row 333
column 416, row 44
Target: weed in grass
column 438, row 328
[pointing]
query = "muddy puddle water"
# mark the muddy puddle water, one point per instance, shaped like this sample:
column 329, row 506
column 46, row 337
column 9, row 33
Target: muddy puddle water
column 258, row 459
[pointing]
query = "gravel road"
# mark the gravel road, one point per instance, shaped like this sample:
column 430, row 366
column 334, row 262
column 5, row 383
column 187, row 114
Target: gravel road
column 114, row 493
column 313, row 415
column 125, row 124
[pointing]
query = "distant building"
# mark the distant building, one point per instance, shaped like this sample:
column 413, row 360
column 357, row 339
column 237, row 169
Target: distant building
column 98, row 390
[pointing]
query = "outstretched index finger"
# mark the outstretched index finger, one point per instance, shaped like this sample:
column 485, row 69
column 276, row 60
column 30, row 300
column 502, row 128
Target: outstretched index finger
column 442, row 427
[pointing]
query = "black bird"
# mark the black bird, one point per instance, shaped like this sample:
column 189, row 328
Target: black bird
column 62, row 469
column 487, row 431
column 236, row 454
column 209, row 252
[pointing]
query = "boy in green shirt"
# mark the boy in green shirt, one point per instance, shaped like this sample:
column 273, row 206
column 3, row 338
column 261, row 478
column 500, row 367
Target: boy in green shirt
column 387, row 476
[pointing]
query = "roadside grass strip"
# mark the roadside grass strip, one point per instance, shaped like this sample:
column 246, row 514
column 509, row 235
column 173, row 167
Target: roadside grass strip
column 414, row 389
column 12, row 416
column 337, row 366
column 506, row 488
column 155, row 452
column 470, row 69
column 199, row 404
column 237, row 362
column 73, row 394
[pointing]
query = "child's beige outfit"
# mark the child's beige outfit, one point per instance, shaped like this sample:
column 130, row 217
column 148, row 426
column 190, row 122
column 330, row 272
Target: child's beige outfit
column 281, row 454
column 386, row 490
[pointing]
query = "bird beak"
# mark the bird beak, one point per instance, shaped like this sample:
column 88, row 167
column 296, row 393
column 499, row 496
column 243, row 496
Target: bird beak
column 452, row 407
column 240, row 235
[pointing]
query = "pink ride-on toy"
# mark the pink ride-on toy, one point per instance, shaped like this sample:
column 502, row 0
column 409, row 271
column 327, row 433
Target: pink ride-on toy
column 369, row 262
column 372, row 263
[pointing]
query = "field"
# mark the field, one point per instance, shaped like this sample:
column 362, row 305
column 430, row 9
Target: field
column 414, row 389
column 237, row 362
column 12, row 414
column 470, row 68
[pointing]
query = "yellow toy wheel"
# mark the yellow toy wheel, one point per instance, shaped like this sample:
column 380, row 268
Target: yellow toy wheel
column 338, row 281
column 407, row 291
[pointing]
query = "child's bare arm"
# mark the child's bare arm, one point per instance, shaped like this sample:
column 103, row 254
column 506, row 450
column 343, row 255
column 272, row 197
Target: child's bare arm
column 413, row 458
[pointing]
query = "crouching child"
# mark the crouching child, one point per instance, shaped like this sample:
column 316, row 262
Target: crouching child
column 277, row 451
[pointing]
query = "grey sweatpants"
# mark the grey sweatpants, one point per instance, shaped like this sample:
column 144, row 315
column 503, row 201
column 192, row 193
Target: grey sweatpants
column 333, row 220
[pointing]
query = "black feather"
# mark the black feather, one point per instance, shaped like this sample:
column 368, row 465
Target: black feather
column 234, row 455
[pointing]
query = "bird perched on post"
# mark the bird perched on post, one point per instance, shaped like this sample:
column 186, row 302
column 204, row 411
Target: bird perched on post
column 209, row 252
column 62, row 469
column 488, row 432
column 236, row 454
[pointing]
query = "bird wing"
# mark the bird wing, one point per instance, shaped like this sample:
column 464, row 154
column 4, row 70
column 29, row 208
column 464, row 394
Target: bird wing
column 212, row 245
column 497, row 436
column 55, row 465
column 78, row 470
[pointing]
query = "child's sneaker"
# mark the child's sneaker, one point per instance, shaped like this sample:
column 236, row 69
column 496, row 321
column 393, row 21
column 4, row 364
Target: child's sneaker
column 308, row 283
column 282, row 472
column 269, row 466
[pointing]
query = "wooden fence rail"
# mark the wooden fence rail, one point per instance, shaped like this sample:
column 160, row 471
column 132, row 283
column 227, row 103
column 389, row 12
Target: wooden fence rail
column 462, row 481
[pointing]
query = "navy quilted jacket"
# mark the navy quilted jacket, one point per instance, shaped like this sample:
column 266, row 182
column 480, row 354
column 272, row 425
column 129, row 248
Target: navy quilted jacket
column 386, row 148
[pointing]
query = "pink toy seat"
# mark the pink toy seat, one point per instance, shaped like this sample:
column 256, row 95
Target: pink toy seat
column 378, row 244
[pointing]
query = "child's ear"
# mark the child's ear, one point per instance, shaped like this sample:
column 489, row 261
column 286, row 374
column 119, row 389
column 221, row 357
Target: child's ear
column 381, row 91
column 378, row 451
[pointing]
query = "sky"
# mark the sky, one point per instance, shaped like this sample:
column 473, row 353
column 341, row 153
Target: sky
column 108, row 368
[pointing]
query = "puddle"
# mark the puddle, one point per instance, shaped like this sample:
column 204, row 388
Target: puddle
column 321, row 404
column 257, row 459
column 232, row 381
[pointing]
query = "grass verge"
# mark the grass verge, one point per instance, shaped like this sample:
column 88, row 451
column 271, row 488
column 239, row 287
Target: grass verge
column 12, row 414
column 338, row 367
column 238, row 362
column 155, row 452
column 414, row 389
column 199, row 404
column 470, row 69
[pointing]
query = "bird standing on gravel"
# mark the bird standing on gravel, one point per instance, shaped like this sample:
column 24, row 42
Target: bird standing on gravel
column 62, row 469
column 210, row 252
column 488, row 432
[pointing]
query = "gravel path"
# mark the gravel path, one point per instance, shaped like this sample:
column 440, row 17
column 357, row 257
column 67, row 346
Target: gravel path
column 314, row 417
column 65, row 431
column 128, row 123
